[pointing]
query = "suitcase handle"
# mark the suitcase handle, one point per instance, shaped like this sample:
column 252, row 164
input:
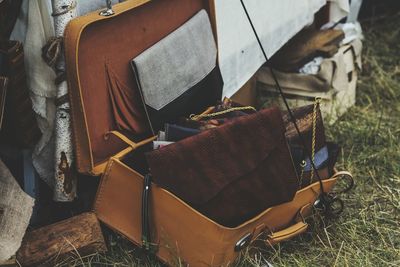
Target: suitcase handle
column 287, row 233
column 299, row 227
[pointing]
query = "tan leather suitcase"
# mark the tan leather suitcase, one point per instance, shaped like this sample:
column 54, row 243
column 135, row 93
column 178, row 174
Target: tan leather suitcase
column 99, row 48
column 181, row 232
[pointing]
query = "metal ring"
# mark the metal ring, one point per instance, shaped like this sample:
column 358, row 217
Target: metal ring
column 350, row 184
column 66, row 9
column 326, row 204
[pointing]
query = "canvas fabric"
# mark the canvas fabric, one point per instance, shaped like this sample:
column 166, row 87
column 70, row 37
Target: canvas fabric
column 338, row 9
column 15, row 213
column 33, row 28
column 239, row 54
column 332, row 74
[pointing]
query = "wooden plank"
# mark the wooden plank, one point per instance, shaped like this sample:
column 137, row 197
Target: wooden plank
column 9, row 263
column 50, row 244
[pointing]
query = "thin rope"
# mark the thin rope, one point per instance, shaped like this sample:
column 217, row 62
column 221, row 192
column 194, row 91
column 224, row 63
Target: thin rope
column 215, row 114
column 65, row 10
column 52, row 50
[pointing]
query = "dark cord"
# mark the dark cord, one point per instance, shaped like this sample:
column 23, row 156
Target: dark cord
column 279, row 89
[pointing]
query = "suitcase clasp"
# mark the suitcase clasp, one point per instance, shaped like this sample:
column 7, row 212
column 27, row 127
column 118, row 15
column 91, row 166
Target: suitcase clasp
column 108, row 11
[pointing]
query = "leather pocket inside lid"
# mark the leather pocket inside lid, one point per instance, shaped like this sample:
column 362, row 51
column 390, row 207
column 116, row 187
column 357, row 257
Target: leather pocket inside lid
column 126, row 105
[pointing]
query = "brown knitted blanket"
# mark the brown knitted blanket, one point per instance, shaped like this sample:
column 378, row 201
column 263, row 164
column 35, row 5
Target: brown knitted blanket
column 230, row 173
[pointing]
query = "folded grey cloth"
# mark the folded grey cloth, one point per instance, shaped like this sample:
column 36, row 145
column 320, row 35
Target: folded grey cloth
column 15, row 213
column 178, row 62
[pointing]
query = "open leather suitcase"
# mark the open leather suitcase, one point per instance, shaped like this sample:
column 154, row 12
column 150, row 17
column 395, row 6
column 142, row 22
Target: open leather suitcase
column 98, row 51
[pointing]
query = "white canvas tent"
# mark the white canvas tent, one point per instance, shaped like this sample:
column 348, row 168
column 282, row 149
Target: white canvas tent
column 275, row 21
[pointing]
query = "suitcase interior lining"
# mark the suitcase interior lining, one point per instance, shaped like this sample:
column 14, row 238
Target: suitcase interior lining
column 138, row 29
column 136, row 159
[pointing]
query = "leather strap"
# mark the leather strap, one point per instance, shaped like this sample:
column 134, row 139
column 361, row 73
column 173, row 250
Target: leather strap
column 145, row 213
column 125, row 139
column 61, row 100
column 146, row 240
column 287, row 233
column 128, row 141
column 61, row 77
column 299, row 227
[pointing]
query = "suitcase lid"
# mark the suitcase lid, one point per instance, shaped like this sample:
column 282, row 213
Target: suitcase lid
column 98, row 50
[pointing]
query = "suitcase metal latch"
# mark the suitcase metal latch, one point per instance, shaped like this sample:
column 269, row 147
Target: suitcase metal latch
column 108, row 11
column 243, row 242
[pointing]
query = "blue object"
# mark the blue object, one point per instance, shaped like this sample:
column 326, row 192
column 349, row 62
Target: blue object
column 320, row 158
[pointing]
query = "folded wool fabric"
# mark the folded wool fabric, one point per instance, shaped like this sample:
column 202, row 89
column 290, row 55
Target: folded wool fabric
column 15, row 213
column 230, row 173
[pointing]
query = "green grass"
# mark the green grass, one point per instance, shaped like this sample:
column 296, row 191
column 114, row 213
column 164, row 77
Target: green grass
column 368, row 231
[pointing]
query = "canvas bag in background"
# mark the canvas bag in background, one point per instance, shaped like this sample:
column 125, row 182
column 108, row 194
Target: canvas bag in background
column 335, row 83
column 332, row 73
column 15, row 213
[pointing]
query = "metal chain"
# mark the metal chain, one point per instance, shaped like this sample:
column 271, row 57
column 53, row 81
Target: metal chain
column 215, row 114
